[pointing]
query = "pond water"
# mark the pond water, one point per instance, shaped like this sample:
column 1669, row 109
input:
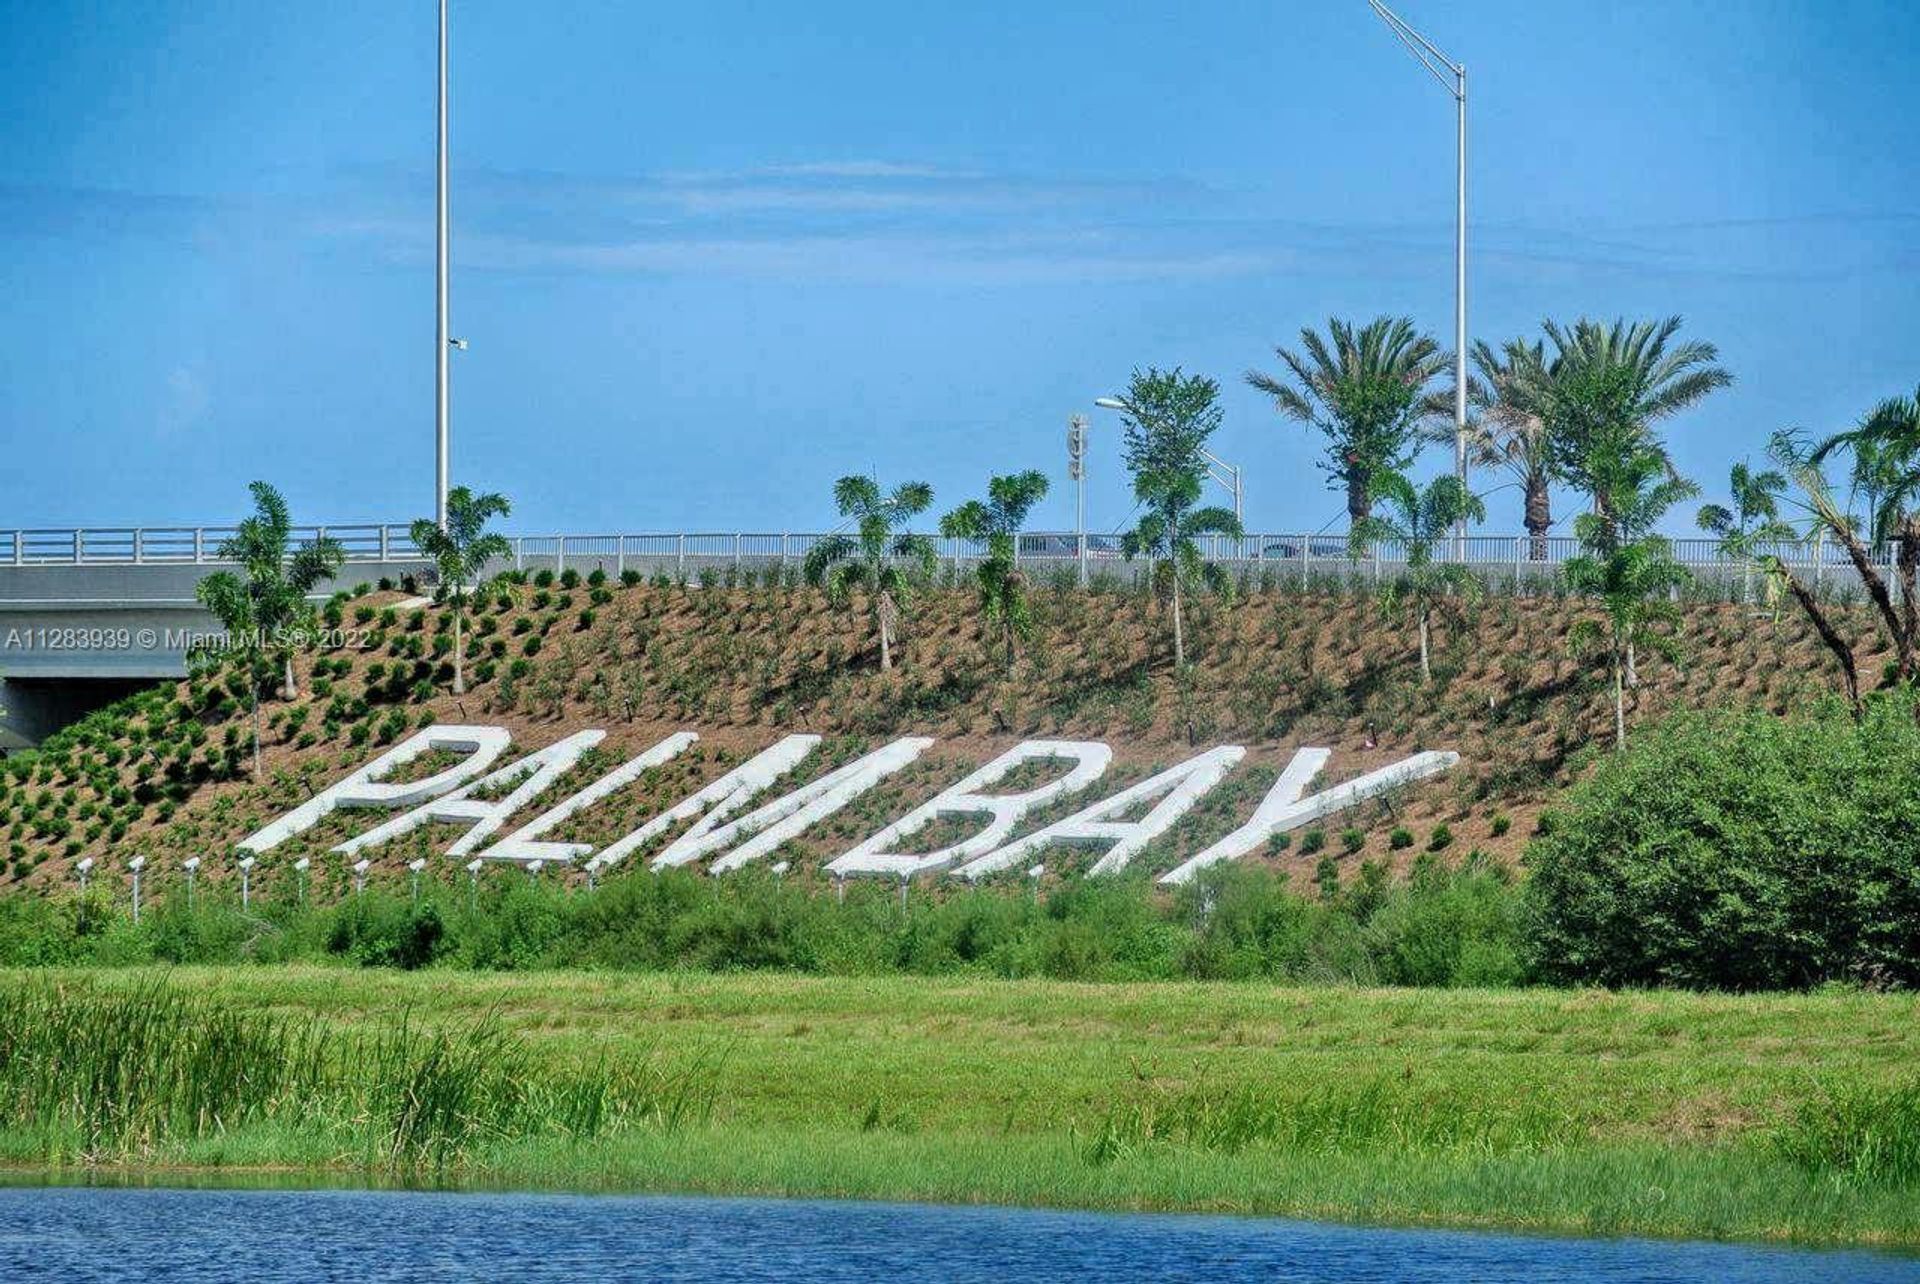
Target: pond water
column 67, row 1233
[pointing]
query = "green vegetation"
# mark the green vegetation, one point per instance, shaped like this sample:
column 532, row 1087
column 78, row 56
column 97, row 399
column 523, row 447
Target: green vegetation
column 1444, row 925
column 1738, row 851
column 1417, row 521
column 461, row 550
column 1169, row 417
column 1665, row 1114
column 1366, row 390
column 998, row 521
column 264, row 606
column 888, row 562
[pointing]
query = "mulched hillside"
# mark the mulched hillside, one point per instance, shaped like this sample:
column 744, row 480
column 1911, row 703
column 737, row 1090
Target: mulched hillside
column 167, row 773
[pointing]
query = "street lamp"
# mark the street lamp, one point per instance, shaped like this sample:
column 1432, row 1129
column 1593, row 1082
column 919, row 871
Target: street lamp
column 445, row 339
column 1453, row 78
column 135, row 865
column 246, row 881
column 1228, row 475
column 190, row 864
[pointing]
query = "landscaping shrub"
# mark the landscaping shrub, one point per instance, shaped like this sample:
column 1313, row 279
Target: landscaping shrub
column 1739, row 851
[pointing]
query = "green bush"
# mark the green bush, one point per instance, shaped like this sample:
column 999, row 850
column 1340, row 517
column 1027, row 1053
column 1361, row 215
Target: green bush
column 1738, row 851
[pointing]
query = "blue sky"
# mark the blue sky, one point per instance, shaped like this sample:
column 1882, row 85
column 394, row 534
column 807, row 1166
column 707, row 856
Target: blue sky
column 711, row 256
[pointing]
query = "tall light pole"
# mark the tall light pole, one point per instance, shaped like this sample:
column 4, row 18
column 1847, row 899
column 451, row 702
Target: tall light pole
column 1077, row 470
column 1228, row 475
column 1453, row 77
column 443, row 337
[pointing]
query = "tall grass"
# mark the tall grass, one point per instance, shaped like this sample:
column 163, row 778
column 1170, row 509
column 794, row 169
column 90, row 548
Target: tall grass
column 108, row 1074
column 1864, row 1133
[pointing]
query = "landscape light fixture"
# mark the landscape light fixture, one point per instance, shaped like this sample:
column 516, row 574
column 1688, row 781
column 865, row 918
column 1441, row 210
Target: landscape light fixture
column 414, row 867
column 246, row 881
column 84, row 868
column 360, row 875
column 135, row 865
column 191, row 864
column 593, row 872
column 534, row 867
column 300, row 877
column 1453, row 78
column 1033, row 878
column 473, row 881
column 780, row 868
column 1226, row 474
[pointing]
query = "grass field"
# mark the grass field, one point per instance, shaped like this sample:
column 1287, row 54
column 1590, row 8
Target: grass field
column 1665, row 1114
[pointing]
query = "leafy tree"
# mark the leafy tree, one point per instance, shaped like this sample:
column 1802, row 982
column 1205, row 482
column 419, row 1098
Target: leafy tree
column 1417, row 520
column 997, row 520
column 1168, row 418
column 461, row 552
column 1605, row 390
column 1629, row 568
column 1511, row 433
column 1366, row 390
column 264, row 606
column 888, row 563
column 1753, row 523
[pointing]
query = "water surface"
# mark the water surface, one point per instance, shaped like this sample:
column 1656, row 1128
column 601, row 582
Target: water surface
column 283, row 1236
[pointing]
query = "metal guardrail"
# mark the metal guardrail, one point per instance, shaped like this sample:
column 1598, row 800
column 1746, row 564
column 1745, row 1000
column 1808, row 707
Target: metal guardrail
column 688, row 553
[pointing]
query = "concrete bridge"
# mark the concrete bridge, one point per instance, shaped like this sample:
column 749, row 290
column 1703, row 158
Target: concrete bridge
column 86, row 615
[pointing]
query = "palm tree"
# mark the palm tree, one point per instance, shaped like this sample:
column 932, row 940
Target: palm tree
column 1606, row 388
column 265, row 607
column 1003, row 590
column 1366, row 390
column 888, row 564
column 1886, row 450
column 1417, row 520
column 1753, row 523
column 1168, row 418
column 1628, row 567
column 461, row 551
column 1511, row 433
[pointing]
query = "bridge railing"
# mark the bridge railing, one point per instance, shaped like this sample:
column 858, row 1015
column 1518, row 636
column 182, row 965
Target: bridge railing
column 1520, row 558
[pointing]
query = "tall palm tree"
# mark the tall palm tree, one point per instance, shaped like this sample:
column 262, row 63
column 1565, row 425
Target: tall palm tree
column 997, row 520
column 461, row 552
column 1510, row 433
column 1417, row 520
column 265, row 606
column 1607, row 387
column 889, row 564
column 1367, row 391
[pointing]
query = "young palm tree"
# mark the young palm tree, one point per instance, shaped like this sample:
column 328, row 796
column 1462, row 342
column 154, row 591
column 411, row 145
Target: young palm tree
column 1417, row 520
column 265, row 605
column 1605, row 389
column 1626, row 566
column 1003, row 590
column 1753, row 523
column 1168, row 417
column 461, row 553
column 1366, row 390
column 889, row 564
column 1510, row 432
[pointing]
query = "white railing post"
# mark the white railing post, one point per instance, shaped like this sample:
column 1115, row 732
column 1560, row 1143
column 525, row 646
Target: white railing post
column 79, row 546
column 680, row 556
column 1819, row 557
column 199, row 544
column 385, row 545
column 1306, row 559
column 560, row 556
column 737, row 565
column 619, row 557
column 19, row 548
column 139, row 545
